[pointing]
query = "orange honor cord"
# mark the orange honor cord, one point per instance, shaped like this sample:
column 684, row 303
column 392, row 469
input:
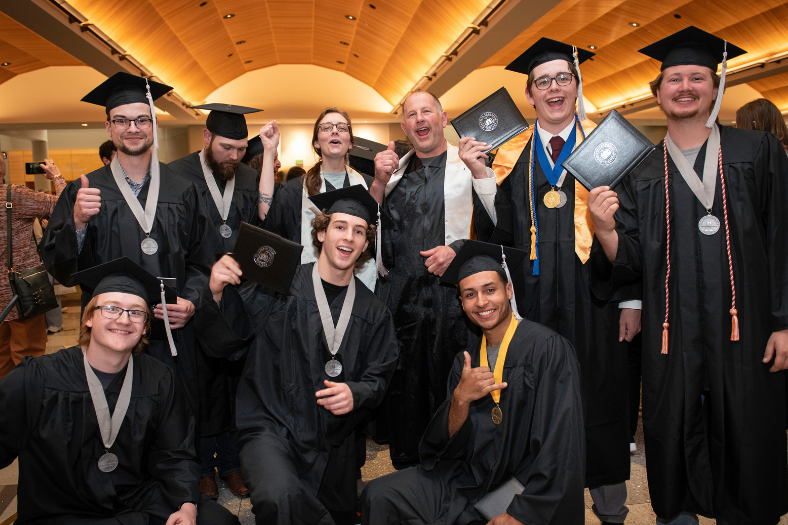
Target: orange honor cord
column 498, row 372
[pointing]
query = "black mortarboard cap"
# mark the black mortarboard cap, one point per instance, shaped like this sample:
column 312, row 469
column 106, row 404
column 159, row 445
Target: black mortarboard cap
column 362, row 155
column 124, row 276
column 545, row 50
column 353, row 200
column 226, row 120
column 253, row 149
column 124, row 88
column 691, row 46
column 477, row 256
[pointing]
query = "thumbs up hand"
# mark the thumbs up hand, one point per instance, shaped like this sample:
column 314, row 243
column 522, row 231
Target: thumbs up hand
column 386, row 162
column 88, row 203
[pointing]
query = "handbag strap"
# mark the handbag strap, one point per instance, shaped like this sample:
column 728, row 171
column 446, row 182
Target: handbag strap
column 9, row 237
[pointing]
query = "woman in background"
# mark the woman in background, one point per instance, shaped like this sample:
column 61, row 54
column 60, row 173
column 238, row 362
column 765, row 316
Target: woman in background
column 761, row 114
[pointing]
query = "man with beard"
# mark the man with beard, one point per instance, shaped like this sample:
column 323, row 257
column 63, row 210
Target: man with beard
column 138, row 208
column 712, row 257
column 320, row 359
column 230, row 191
column 430, row 197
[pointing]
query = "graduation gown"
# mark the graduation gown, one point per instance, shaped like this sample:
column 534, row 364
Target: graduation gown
column 283, row 434
column 540, row 442
column 188, row 247
column 722, row 455
column 47, row 420
column 430, row 323
column 213, row 373
column 560, row 298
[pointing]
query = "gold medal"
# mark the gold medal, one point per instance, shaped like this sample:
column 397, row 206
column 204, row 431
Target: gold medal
column 497, row 415
column 552, row 199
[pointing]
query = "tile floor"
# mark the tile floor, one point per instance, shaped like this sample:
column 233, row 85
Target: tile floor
column 378, row 463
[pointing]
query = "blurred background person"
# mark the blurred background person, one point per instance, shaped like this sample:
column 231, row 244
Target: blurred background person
column 294, row 173
column 107, row 152
column 762, row 115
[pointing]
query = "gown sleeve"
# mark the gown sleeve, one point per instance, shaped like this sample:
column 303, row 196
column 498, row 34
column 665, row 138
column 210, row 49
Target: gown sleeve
column 501, row 231
column 20, row 401
column 557, row 440
column 773, row 162
column 172, row 460
column 59, row 245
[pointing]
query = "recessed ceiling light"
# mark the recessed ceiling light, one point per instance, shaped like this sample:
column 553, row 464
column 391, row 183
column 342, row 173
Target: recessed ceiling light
column 350, row 17
column 634, row 24
column 229, row 15
column 677, row 15
column 340, row 62
column 372, row 6
column 248, row 62
column 240, row 42
column 355, row 55
column 343, row 43
column 5, row 64
column 203, row 4
column 591, row 47
column 228, row 56
column 85, row 125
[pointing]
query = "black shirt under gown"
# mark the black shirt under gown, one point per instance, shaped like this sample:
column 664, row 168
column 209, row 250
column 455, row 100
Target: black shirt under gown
column 722, row 455
column 560, row 298
column 47, row 420
column 215, row 374
column 188, row 247
column 430, row 323
column 298, row 459
column 540, row 442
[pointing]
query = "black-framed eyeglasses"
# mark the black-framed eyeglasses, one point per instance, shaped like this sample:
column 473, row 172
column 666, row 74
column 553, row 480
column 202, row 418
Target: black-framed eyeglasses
column 328, row 127
column 562, row 79
column 114, row 312
column 125, row 123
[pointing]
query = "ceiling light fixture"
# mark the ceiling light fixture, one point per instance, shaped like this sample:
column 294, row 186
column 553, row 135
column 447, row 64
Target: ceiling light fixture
column 240, row 42
column 677, row 15
column 372, row 6
column 591, row 47
column 229, row 15
column 5, row 64
column 340, row 62
column 350, row 17
column 203, row 4
column 634, row 24
column 343, row 43
column 84, row 125
column 248, row 62
column 228, row 56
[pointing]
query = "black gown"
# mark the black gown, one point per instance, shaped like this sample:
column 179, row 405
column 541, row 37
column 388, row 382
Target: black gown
column 215, row 374
column 188, row 247
column 560, row 298
column 540, row 442
column 723, row 457
column 297, row 458
column 430, row 323
column 47, row 420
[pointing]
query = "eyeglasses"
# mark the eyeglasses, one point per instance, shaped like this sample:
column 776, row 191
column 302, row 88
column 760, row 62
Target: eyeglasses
column 327, row 127
column 125, row 123
column 562, row 79
column 114, row 312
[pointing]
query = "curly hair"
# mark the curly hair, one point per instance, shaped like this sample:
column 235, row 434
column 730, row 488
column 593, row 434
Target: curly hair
column 320, row 224
column 84, row 329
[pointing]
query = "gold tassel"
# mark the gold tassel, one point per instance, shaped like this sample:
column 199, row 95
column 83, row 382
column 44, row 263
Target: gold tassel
column 533, row 242
column 665, row 338
column 734, row 325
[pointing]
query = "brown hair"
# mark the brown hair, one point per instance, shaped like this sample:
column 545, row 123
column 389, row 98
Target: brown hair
column 763, row 115
column 320, row 224
column 312, row 177
column 84, row 329
column 531, row 78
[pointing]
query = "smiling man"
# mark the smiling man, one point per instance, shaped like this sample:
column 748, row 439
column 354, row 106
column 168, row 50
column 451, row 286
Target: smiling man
column 102, row 431
column 513, row 416
column 701, row 223
column 319, row 360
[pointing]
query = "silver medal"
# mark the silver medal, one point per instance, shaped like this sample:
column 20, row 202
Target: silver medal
column 709, row 225
column 149, row 246
column 225, row 231
column 333, row 368
column 563, row 200
column 108, row 462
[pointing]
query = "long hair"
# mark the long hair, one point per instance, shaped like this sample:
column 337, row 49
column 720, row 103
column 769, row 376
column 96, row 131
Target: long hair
column 763, row 115
column 84, row 329
column 312, row 177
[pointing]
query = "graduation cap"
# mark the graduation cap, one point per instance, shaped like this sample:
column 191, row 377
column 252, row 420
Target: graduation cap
column 125, row 276
column 546, row 50
column 226, row 120
column 123, row 88
column 694, row 46
column 356, row 200
column 362, row 155
column 476, row 256
column 253, row 149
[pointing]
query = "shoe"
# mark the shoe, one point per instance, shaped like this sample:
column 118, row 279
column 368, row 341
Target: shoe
column 209, row 487
column 54, row 330
column 236, row 483
column 633, row 447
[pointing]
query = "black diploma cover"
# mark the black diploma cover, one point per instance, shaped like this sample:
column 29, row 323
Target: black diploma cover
column 494, row 120
column 267, row 258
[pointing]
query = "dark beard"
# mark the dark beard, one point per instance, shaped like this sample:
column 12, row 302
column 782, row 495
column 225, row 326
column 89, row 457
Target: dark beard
column 133, row 152
column 223, row 171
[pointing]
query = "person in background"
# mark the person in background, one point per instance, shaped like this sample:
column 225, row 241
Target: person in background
column 107, row 152
column 255, row 153
column 22, row 337
column 295, row 172
column 762, row 115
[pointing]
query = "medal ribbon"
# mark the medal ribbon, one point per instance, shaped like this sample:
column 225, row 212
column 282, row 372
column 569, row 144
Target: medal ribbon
column 109, row 427
column 222, row 201
column 553, row 173
column 498, row 372
column 704, row 190
column 333, row 337
column 144, row 217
